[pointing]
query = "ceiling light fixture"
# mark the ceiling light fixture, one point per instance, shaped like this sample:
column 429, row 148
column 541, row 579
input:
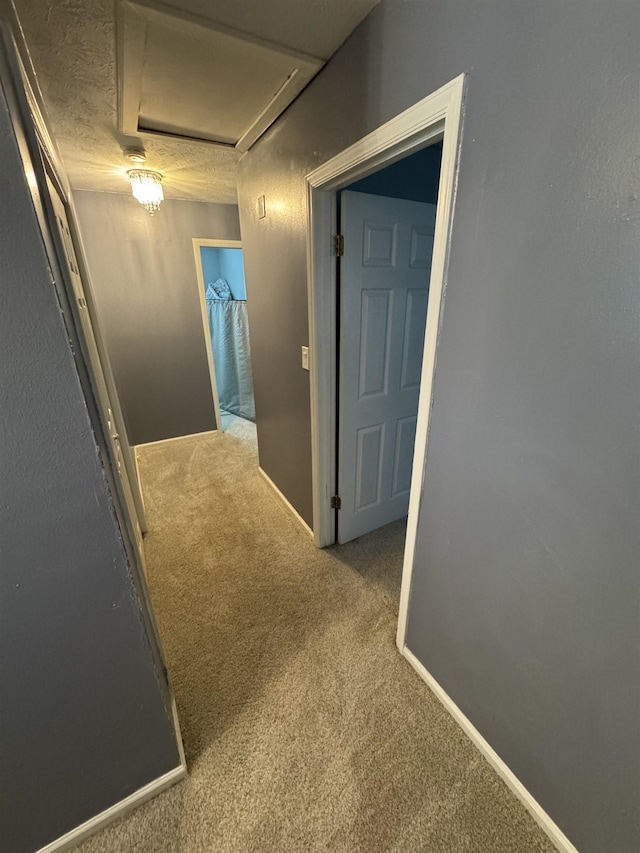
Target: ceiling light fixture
column 147, row 188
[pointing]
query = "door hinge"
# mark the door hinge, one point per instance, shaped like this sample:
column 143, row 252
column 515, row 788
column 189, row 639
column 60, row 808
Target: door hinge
column 338, row 245
column 336, row 502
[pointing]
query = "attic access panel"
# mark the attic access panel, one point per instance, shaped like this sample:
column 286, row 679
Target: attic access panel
column 189, row 78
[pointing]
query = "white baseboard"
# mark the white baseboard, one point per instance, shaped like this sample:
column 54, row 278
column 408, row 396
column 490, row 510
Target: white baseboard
column 75, row 836
column 291, row 509
column 177, row 438
column 538, row 813
column 176, row 727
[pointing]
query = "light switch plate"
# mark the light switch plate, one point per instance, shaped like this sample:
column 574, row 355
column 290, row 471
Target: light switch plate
column 305, row 358
column 262, row 207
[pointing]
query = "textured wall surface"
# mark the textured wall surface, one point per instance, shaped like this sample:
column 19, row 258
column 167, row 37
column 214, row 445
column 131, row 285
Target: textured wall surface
column 82, row 717
column 143, row 278
column 525, row 597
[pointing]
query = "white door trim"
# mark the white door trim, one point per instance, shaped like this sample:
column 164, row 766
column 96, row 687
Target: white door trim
column 218, row 244
column 437, row 116
column 198, row 243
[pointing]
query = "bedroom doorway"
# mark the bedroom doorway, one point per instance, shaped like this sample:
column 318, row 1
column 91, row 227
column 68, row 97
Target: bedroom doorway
column 223, row 302
column 387, row 224
column 436, row 118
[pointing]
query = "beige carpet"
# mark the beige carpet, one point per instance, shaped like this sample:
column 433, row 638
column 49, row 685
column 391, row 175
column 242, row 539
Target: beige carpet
column 304, row 729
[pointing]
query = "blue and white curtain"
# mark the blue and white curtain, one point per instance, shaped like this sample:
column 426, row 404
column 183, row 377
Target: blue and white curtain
column 229, row 326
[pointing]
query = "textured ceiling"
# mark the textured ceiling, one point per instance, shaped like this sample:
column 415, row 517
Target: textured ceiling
column 72, row 46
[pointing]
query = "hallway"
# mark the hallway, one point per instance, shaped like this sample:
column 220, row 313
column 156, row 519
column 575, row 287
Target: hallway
column 304, row 729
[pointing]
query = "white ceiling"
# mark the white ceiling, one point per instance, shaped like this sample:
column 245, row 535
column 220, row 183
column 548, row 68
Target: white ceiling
column 187, row 74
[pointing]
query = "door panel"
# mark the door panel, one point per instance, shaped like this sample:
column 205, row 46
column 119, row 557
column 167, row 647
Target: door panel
column 374, row 342
column 384, row 293
column 379, row 247
column 370, row 443
column 421, row 249
column 414, row 325
column 405, row 439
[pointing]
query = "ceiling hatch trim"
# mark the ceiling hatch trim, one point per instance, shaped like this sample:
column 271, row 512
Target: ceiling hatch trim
column 248, row 81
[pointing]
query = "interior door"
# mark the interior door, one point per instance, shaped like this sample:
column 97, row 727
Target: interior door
column 129, row 484
column 384, row 288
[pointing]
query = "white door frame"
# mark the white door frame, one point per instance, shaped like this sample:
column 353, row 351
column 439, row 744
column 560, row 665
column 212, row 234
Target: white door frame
column 198, row 243
column 439, row 116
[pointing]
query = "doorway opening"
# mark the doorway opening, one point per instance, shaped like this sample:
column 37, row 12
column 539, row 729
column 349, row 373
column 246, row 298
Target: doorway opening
column 223, row 303
column 387, row 222
column 351, row 369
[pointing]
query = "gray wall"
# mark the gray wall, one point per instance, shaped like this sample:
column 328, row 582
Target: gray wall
column 525, row 599
column 143, row 278
column 83, row 722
